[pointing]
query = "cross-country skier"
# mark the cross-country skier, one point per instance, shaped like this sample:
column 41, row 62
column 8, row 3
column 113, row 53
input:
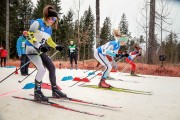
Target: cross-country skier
column 132, row 55
column 38, row 35
column 110, row 48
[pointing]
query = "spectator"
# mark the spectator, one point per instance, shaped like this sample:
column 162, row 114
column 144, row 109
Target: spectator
column 3, row 53
column 72, row 54
column 20, row 45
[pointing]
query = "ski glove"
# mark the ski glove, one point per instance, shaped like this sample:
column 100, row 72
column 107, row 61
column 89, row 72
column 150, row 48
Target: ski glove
column 59, row 47
column 119, row 55
column 122, row 55
column 126, row 55
column 44, row 48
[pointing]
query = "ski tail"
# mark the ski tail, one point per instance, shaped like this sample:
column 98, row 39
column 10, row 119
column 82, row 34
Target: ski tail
column 84, row 102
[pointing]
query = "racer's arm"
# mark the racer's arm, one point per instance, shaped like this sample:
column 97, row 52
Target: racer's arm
column 110, row 52
column 18, row 47
column 30, row 36
column 51, row 43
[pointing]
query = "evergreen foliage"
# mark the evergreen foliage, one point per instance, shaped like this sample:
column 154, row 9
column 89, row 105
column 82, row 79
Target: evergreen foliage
column 22, row 11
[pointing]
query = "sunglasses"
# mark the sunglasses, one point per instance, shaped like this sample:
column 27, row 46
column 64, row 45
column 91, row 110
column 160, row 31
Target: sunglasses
column 53, row 19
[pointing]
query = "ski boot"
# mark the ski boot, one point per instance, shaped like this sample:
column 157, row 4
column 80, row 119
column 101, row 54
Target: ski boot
column 103, row 84
column 133, row 74
column 38, row 95
column 57, row 93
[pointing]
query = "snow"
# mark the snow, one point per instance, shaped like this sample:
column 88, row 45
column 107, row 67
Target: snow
column 164, row 104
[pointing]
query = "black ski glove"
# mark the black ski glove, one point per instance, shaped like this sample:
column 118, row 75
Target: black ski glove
column 125, row 55
column 59, row 48
column 119, row 55
column 44, row 48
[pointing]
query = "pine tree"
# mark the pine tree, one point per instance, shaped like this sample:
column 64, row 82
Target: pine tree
column 42, row 3
column 2, row 21
column 178, row 53
column 170, row 48
column 20, row 13
column 105, row 34
column 24, row 14
column 87, row 34
column 123, row 25
column 66, row 32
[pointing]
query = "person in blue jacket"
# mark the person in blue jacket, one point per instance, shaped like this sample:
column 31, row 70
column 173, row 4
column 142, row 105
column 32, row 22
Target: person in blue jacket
column 21, row 50
column 111, row 48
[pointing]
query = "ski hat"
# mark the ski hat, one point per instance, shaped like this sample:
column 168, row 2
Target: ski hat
column 52, row 13
column 123, row 38
column 49, row 11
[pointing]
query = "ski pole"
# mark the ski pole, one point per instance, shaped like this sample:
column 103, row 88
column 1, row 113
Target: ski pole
column 86, row 76
column 14, row 71
column 94, row 72
column 27, row 76
column 36, row 69
column 124, row 69
column 94, row 67
column 96, row 75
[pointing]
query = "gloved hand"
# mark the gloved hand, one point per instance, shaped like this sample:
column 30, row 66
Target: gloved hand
column 59, row 47
column 126, row 55
column 44, row 48
column 119, row 55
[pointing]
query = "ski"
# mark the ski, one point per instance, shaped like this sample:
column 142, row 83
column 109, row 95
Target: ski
column 119, row 89
column 58, row 106
column 82, row 101
column 114, row 79
column 135, row 76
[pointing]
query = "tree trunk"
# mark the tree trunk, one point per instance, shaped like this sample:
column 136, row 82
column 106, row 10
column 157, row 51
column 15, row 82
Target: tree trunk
column 7, row 27
column 151, row 40
column 79, row 45
column 97, row 22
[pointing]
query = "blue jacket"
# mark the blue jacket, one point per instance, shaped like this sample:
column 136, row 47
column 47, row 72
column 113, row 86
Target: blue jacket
column 20, row 45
